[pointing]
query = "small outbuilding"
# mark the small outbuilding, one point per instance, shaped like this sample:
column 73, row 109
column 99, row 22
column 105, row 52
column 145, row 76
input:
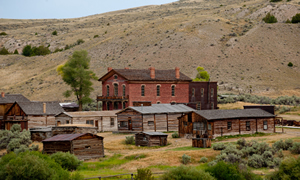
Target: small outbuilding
column 151, row 139
column 84, row 146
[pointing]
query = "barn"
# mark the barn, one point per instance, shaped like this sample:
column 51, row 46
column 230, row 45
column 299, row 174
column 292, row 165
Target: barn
column 103, row 120
column 157, row 117
column 214, row 123
column 84, row 146
column 151, row 139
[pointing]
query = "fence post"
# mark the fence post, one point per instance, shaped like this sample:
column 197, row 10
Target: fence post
column 99, row 178
column 131, row 176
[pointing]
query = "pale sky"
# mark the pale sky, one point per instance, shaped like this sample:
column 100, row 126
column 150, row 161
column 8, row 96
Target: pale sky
column 60, row 9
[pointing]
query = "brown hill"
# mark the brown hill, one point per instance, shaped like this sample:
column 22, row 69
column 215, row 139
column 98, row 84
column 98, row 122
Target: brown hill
column 228, row 38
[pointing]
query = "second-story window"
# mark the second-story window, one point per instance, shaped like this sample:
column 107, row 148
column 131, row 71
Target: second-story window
column 107, row 90
column 173, row 90
column 116, row 89
column 158, row 90
column 212, row 92
column 193, row 92
column 124, row 88
column 202, row 92
column 115, row 76
column 142, row 90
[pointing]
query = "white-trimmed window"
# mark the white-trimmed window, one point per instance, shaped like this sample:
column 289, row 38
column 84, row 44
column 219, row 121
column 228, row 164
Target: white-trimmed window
column 209, row 127
column 124, row 90
column 198, row 106
column 116, row 87
column 265, row 125
column 115, row 76
column 158, row 90
column 143, row 90
column 248, row 125
column 173, row 90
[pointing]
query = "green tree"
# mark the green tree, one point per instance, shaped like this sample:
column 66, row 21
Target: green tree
column 54, row 33
column 16, row 52
column 270, row 18
column 296, row 18
column 3, row 34
column 27, row 51
column 4, row 51
column 76, row 73
column 40, row 51
column 202, row 75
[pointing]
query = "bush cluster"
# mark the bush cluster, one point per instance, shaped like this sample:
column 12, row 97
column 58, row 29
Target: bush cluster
column 35, row 51
column 203, row 160
column 186, row 173
column 4, row 51
column 144, row 174
column 288, row 169
column 284, row 145
column 175, row 135
column 67, row 160
column 270, row 18
column 296, row 18
column 3, row 34
column 219, row 146
column 129, row 140
column 186, row 159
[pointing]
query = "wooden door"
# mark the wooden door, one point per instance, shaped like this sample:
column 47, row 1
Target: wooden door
column 96, row 124
column 129, row 124
column 163, row 141
column 58, row 123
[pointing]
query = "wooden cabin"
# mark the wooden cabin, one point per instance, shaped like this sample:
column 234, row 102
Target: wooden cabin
column 214, row 123
column 157, row 117
column 103, row 120
column 84, row 146
column 32, row 114
column 151, row 139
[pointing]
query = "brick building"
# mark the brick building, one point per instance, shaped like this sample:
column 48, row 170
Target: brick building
column 125, row 87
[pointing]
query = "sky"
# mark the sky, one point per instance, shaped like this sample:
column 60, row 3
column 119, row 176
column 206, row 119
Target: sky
column 60, row 9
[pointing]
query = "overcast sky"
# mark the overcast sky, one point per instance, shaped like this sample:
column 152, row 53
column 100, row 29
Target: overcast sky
column 60, row 9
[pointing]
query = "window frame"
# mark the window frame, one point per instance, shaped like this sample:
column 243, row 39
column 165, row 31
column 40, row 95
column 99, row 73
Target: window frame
column 143, row 90
column 90, row 122
column 107, row 90
column 150, row 123
column 112, row 122
column 173, row 90
column 193, row 92
column 212, row 106
column 209, row 126
column 265, row 125
column 229, row 125
column 115, row 76
column 124, row 90
column 116, row 89
column 248, row 125
column 124, row 124
column 158, row 90
column 202, row 92
column 212, row 92
column 198, row 106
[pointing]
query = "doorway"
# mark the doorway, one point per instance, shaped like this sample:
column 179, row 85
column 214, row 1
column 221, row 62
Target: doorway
column 129, row 124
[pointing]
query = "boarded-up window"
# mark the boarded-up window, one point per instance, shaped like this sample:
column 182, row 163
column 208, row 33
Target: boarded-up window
column 199, row 106
column 229, row 125
column 209, row 126
column 248, row 125
column 116, row 89
column 202, row 92
column 142, row 90
column 212, row 92
column 265, row 125
column 193, row 92
column 107, row 90
column 151, row 123
column 173, row 90
column 112, row 121
column 123, row 123
column 157, row 90
column 124, row 88
column 90, row 122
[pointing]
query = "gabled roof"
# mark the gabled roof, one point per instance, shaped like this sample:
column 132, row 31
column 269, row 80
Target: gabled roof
column 160, row 109
column 67, row 137
column 89, row 113
column 232, row 114
column 11, row 98
column 144, row 75
column 36, row 108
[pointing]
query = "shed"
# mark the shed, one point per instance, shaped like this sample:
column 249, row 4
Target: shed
column 103, row 120
column 39, row 134
column 84, row 146
column 151, row 139
column 157, row 117
column 207, row 123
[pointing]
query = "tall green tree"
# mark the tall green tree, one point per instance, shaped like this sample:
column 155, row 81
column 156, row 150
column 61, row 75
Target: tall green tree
column 76, row 73
column 202, row 75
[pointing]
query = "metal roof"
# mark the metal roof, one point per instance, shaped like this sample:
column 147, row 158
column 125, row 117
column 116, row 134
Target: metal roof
column 66, row 137
column 89, row 113
column 155, row 133
column 11, row 98
column 236, row 113
column 161, row 108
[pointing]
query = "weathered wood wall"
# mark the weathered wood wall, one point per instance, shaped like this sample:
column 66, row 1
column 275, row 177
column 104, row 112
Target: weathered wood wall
column 201, row 142
column 136, row 120
column 73, row 130
column 88, row 147
column 57, row 146
column 142, row 139
column 186, row 126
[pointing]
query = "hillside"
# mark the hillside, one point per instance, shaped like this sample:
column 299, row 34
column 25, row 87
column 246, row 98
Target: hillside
column 226, row 37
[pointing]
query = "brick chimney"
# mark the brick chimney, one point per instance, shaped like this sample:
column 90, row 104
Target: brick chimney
column 177, row 73
column 109, row 69
column 2, row 94
column 152, row 72
column 44, row 108
column 126, row 68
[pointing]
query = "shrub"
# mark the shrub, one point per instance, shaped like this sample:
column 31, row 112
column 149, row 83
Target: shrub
column 27, row 51
column 31, row 165
column 186, row 159
column 40, row 51
column 283, row 145
column 203, row 160
column 295, row 149
column 288, row 21
column 129, row 140
column 296, row 18
column 288, row 143
column 80, row 41
column 219, row 146
column 290, row 64
column 256, row 161
column 275, row 0
column 16, row 52
column 66, row 160
column 270, row 18
column 280, row 154
column 225, row 171
column 58, row 50
column 4, row 51
column 241, row 142
column 54, row 33
column 3, row 34
column 144, row 174
column 67, row 47
column 288, row 169
column 175, row 135
column 96, row 36
column 186, row 173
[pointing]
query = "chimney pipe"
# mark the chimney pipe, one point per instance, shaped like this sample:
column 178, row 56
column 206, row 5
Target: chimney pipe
column 44, row 108
column 2, row 94
column 152, row 72
column 177, row 73
column 109, row 69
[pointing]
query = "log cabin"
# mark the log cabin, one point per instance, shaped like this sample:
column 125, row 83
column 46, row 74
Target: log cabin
column 103, row 120
column 157, row 117
column 84, row 146
column 151, row 139
column 214, row 123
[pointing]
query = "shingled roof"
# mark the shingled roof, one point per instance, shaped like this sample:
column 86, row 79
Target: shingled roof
column 232, row 114
column 144, row 75
column 11, row 98
column 36, row 108
column 68, row 137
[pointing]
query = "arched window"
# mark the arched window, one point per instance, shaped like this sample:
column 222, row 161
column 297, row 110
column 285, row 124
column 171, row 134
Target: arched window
column 143, row 90
column 116, row 89
column 124, row 90
column 107, row 90
column 199, row 106
column 157, row 102
column 116, row 76
column 173, row 90
column 193, row 92
column 158, row 90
